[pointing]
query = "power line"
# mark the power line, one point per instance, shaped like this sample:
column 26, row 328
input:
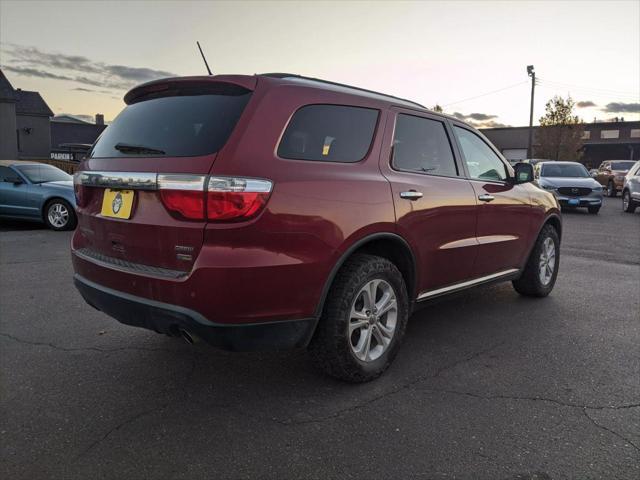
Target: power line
column 600, row 95
column 485, row 94
column 606, row 91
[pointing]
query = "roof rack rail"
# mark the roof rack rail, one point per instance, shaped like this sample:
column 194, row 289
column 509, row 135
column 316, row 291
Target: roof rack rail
column 294, row 75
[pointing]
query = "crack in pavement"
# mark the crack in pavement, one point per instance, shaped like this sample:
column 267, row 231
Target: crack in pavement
column 534, row 399
column 393, row 391
column 606, row 429
column 144, row 413
column 81, row 349
column 343, row 411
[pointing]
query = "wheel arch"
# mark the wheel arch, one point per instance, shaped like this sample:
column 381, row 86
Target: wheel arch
column 555, row 222
column 384, row 244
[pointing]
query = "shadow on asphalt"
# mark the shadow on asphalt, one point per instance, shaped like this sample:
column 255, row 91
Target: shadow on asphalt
column 19, row 225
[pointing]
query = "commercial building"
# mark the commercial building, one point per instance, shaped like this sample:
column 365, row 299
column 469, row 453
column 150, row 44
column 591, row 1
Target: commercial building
column 616, row 140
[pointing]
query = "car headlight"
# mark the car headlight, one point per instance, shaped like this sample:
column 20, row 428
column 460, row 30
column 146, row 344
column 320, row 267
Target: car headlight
column 598, row 188
column 548, row 187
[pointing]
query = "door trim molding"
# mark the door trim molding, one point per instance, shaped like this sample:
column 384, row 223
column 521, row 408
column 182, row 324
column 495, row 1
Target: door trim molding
column 467, row 284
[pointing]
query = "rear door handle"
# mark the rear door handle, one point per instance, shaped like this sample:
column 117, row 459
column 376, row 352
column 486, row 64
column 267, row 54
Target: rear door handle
column 486, row 197
column 411, row 195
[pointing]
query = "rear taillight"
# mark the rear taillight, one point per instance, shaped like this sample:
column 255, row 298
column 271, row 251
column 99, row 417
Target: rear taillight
column 236, row 199
column 79, row 191
column 225, row 199
column 183, row 195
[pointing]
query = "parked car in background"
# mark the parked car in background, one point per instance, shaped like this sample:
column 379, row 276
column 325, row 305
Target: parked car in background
column 631, row 189
column 571, row 184
column 37, row 192
column 535, row 161
column 277, row 211
column 611, row 175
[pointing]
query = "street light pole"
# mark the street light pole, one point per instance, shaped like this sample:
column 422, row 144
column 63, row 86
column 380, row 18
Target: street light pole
column 531, row 72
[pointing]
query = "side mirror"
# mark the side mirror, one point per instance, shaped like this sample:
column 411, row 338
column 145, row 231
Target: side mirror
column 524, row 173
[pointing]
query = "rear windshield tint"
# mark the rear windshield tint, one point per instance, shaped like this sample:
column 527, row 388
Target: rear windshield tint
column 181, row 123
column 329, row 133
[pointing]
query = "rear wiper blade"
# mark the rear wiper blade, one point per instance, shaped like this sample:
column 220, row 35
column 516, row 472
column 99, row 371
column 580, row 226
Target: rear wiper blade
column 129, row 148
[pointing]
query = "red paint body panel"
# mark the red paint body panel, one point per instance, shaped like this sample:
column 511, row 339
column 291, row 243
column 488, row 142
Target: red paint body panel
column 276, row 266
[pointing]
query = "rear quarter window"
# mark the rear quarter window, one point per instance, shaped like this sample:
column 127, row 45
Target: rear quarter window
column 329, row 133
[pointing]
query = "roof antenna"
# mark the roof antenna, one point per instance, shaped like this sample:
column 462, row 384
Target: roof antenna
column 203, row 58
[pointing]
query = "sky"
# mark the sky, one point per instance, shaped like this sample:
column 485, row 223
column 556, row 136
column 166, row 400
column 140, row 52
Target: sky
column 468, row 56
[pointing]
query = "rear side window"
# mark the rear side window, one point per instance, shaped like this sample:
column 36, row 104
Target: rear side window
column 177, row 124
column 422, row 145
column 329, row 133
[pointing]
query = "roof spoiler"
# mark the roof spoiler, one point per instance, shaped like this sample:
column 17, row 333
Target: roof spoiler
column 247, row 82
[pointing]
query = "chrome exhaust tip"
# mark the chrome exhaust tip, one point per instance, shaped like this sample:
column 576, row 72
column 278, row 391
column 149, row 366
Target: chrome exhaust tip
column 188, row 337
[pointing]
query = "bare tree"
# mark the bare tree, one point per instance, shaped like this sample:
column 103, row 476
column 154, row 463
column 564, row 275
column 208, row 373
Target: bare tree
column 560, row 133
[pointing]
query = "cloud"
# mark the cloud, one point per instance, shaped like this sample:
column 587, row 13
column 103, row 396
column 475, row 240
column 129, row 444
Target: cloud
column 90, row 90
column 481, row 117
column 137, row 74
column 585, row 104
column 479, row 120
column 33, row 72
column 491, row 124
column 33, row 62
column 620, row 107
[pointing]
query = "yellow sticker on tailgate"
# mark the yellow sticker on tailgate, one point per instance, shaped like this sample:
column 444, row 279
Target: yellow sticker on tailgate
column 117, row 203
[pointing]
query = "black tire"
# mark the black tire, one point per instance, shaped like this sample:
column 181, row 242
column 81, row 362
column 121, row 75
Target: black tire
column 529, row 283
column 71, row 219
column 611, row 189
column 628, row 201
column 330, row 347
column 593, row 210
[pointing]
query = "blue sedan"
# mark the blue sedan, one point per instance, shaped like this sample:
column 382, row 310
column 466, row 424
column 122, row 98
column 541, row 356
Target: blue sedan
column 37, row 192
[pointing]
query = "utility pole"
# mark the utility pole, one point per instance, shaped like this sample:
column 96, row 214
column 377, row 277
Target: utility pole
column 532, row 73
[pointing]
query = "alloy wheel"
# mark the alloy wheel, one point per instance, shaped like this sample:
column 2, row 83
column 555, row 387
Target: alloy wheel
column 373, row 319
column 547, row 261
column 625, row 201
column 58, row 215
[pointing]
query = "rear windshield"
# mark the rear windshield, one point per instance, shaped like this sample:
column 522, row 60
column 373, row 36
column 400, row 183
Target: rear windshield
column 177, row 124
column 564, row 170
column 621, row 165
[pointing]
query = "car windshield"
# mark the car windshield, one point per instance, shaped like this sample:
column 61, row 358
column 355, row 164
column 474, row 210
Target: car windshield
column 564, row 170
column 621, row 165
column 43, row 173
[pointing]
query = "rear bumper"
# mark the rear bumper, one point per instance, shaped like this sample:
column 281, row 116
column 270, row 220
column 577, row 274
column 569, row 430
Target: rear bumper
column 170, row 319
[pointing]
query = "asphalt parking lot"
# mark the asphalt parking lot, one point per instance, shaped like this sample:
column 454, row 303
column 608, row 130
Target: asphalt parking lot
column 488, row 385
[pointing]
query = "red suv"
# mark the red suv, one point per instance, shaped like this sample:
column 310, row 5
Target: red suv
column 278, row 211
